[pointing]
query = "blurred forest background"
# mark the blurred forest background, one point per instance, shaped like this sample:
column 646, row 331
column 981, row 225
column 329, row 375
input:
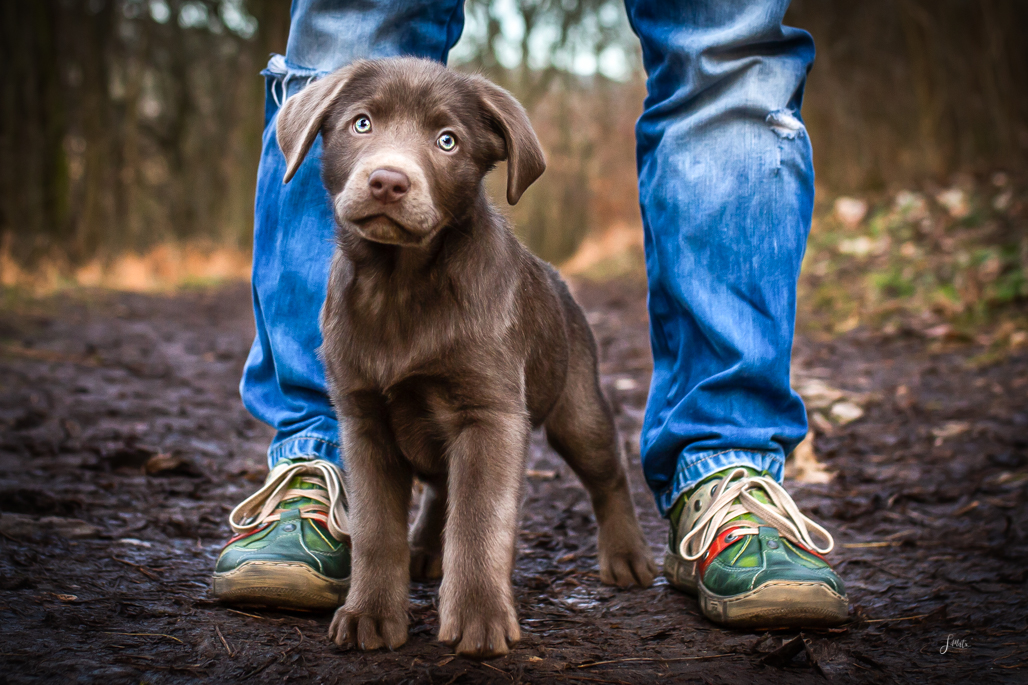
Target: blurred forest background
column 130, row 133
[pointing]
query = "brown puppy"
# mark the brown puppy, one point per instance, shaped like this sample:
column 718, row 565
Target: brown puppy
column 445, row 343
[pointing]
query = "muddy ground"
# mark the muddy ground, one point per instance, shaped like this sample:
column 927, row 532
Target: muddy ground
column 123, row 445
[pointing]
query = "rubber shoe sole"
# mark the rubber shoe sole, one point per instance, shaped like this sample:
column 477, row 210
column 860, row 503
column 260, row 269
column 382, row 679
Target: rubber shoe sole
column 280, row 585
column 680, row 573
column 775, row 604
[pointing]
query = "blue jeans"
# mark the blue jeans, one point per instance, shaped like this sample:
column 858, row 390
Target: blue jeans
column 726, row 185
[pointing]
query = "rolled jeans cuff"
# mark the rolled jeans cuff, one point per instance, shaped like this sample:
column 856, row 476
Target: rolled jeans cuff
column 306, row 446
column 285, row 79
column 694, row 467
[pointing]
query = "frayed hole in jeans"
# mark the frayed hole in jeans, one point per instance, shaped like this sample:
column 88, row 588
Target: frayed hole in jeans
column 785, row 124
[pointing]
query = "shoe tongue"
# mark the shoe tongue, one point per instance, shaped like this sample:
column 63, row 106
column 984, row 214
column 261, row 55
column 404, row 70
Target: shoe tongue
column 757, row 494
column 298, row 483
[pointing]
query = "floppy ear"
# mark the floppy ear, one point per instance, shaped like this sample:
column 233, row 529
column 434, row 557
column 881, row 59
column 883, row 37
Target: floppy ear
column 524, row 155
column 301, row 117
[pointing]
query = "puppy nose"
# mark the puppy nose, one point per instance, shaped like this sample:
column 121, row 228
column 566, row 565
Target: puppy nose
column 388, row 185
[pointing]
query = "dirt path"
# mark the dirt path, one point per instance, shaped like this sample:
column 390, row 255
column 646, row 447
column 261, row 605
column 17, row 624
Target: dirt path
column 123, row 445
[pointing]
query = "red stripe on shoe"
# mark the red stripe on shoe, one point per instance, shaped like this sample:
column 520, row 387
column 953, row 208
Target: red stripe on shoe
column 239, row 537
column 720, row 544
column 808, row 550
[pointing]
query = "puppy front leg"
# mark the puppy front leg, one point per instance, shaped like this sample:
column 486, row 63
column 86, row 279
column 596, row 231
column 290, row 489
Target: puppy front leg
column 379, row 483
column 476, row 601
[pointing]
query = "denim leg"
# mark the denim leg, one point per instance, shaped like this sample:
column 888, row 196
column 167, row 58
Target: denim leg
column 283, row 381
column 726, row 184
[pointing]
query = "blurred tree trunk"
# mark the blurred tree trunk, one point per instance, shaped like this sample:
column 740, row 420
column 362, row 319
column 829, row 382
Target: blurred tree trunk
column 96, row 221
column 994, row 69
column 129, row 177
column 904, row 91
column 273, row 21
column 33, row 175
column 921, row 36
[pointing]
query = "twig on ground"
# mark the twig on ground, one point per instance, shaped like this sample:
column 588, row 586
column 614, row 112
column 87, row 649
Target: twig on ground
column 139, row 567
column 276, row 657
column 223, row 641
column 652, row 659
column 452, row 680
column 900, row 618
column 171, row 637
column 263, row 618
column 1007, row 656
column 263, row 666
column 570, row 676
column 498, row 669
column 20, row 542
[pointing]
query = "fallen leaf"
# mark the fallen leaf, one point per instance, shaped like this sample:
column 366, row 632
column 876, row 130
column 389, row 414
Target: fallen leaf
column 850, row 210
column 904, row 398
column 803, row 466
column 817, row 394
column 134, row 541
column 21, row 525
column 847, row 325
column 946, row 332
column 951, row 429
column 784, row 654
column 846, row 412
column 171, row 465
column 955, row 201
column 822, row 424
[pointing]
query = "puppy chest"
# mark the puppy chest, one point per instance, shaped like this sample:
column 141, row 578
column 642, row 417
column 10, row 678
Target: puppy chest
column 418, row 428
column 426, row 414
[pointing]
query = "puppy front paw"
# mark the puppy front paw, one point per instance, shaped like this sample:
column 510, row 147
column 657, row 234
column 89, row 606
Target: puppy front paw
column 625, row 565
column 481, row 633
column 368, row 630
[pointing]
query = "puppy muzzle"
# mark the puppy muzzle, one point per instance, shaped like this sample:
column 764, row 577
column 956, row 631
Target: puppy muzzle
column 387, row 199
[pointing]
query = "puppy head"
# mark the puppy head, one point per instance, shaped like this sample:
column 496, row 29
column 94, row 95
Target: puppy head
column 406, row 144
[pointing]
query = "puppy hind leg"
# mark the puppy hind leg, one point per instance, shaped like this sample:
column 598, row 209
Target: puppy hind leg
column 426, row 537
column 581, row 430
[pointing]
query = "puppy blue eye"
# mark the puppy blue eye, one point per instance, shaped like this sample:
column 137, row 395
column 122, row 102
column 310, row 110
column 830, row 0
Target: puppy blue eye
column 362, row 124
column 446, row 142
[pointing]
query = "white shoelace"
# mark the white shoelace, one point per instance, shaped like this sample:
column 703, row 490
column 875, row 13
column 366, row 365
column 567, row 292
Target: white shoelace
column 259, row 508
column 781, row 513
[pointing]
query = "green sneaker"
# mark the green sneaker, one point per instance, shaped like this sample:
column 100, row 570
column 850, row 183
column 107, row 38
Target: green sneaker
column 292, row 543
column 741, row 545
